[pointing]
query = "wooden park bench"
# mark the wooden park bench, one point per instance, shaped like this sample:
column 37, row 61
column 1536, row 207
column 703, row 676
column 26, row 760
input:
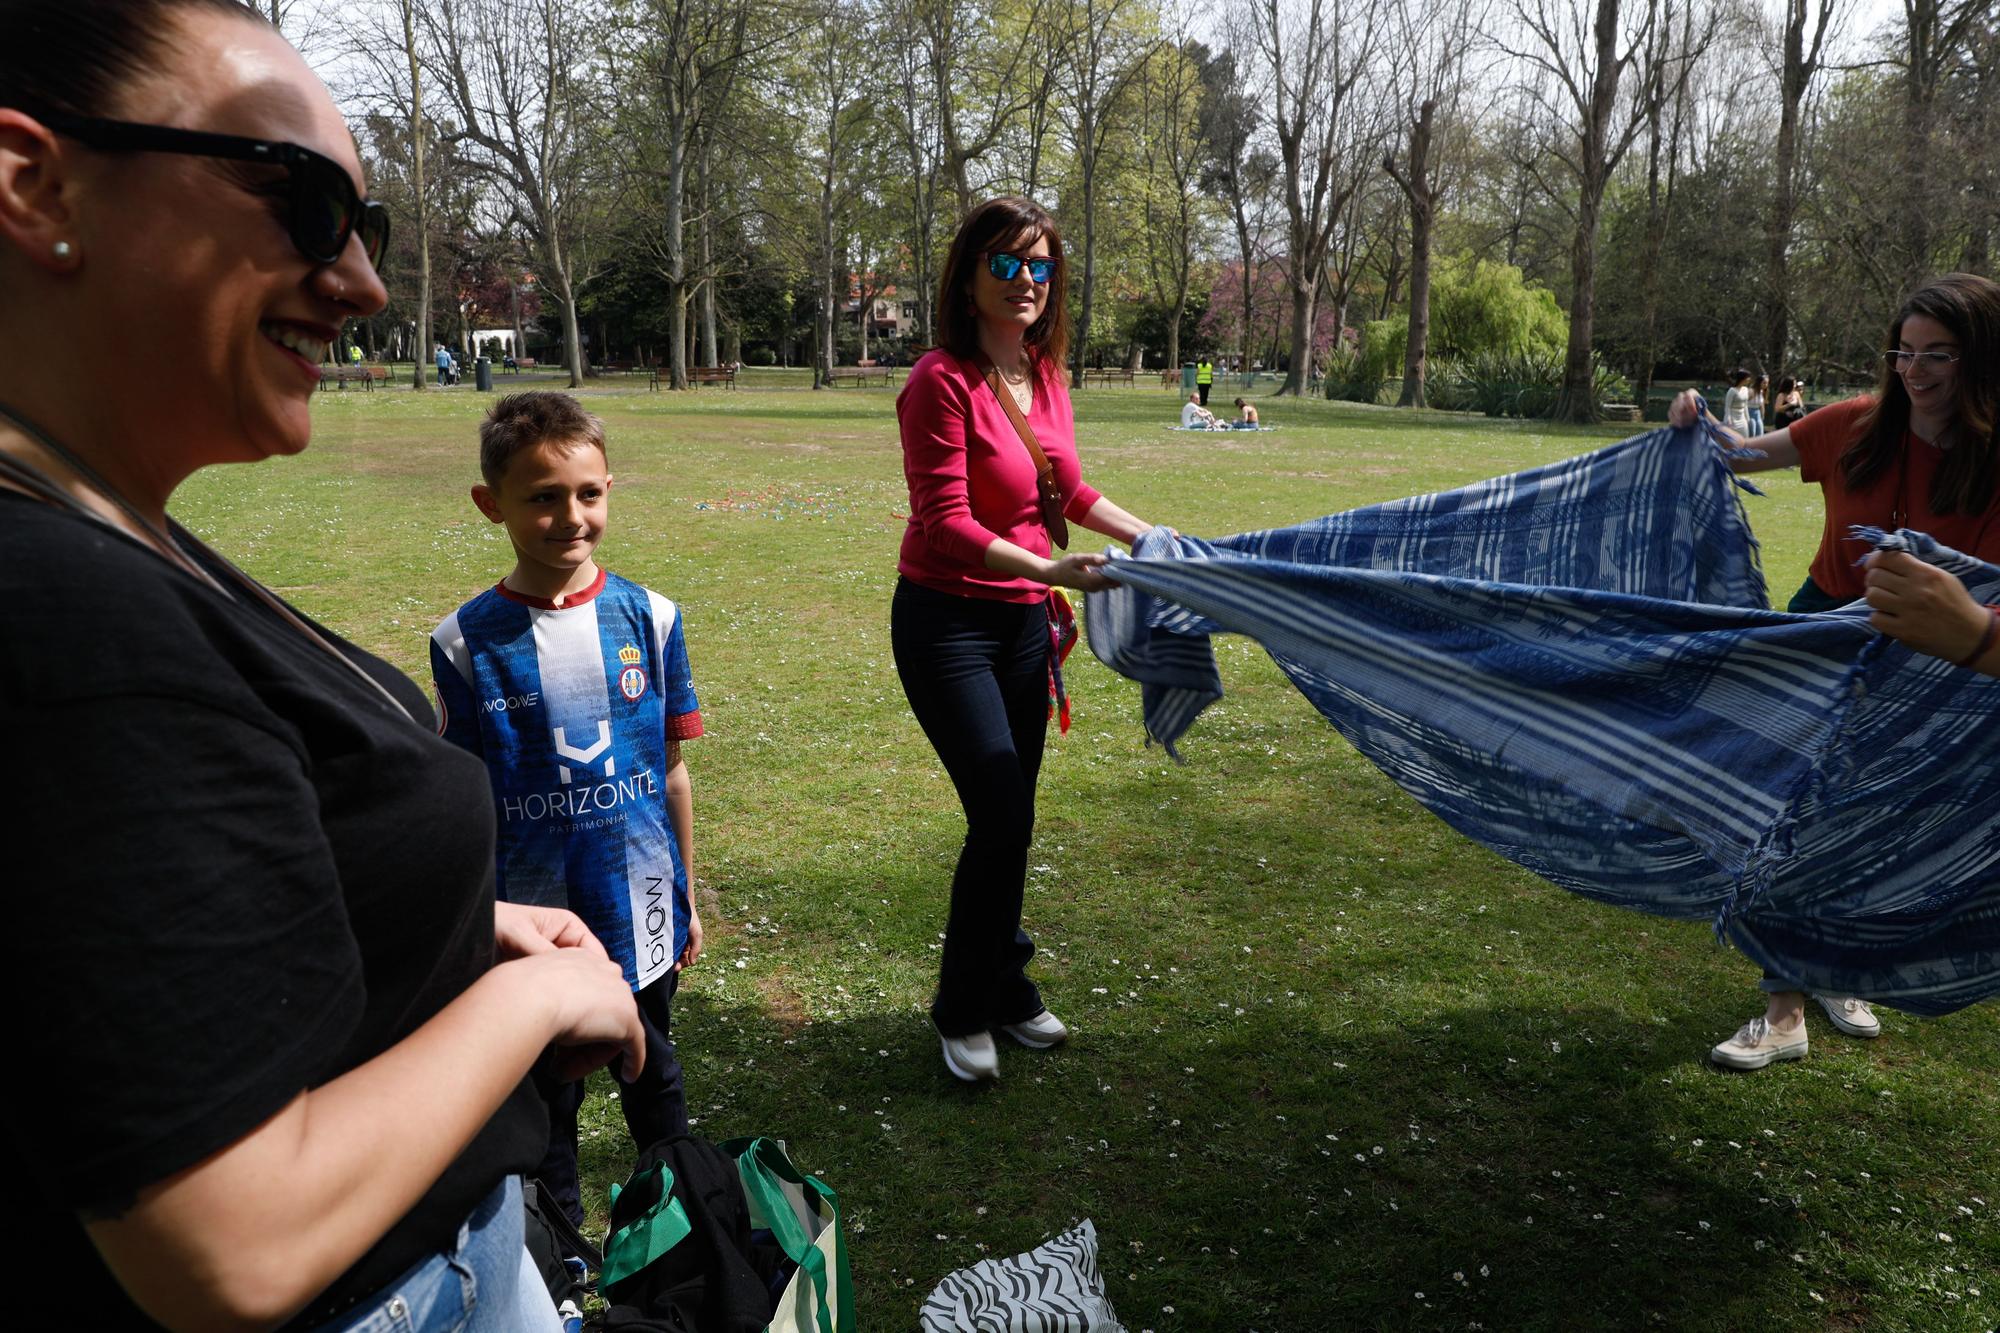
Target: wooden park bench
column 663, row 376
column 862, row 376
column 1106, row 377
column 366, row 376
column 520, row 363
column 1170, row 379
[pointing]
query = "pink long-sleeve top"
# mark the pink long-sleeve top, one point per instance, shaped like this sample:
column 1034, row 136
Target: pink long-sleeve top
column 971, row 478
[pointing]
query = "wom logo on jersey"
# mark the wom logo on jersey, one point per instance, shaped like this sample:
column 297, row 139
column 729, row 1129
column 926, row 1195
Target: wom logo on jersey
column 632, row 679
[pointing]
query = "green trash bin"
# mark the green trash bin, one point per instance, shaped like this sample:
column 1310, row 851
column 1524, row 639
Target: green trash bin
column 1187, row 377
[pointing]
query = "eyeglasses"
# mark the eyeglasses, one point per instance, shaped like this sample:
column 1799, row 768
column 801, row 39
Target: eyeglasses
column 324, row 208
column 1919, row 360
column 1004, row 266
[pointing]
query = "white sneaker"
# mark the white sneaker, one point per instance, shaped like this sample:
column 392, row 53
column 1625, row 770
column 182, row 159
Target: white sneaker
column 1038, row 1033
column 1755, row 1046
column 1851, row 1016
column 973, row 1058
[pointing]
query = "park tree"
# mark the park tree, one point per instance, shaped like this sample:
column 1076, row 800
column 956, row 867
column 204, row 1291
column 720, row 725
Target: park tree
column 520, row 78
column 985, row 61
column 918, row 115
column 1316, row 54
column 1936, row 37
column 691, row 52
column 1430, row 47
column 1802, row 38
column 1105, row 49
column 388, row 51
column 1241, row 170
column 1575, row 60
column 1175, row 212
column 831, row 121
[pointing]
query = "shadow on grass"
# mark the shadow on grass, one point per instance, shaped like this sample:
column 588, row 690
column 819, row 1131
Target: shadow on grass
column 1247, row 1173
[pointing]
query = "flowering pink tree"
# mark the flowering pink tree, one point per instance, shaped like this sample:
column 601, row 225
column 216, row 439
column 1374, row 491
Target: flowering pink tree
column 1269, row 307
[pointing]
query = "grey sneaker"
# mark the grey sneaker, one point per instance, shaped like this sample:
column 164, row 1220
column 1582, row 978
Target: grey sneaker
column 971, row 1058
column 1755, row 1046
column 1038, row 1033
column 1851, row 1016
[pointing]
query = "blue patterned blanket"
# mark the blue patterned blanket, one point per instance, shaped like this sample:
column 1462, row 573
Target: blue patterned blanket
column 1575, row 667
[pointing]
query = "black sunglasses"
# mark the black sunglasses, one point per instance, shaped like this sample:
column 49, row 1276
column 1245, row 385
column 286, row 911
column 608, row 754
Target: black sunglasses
column 324, row 207
column 1004, row 266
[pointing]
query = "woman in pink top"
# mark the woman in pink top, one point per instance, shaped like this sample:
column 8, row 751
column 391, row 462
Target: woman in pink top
column 970, row 621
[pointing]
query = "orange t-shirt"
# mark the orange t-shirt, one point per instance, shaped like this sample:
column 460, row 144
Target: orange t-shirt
column 1820, row 437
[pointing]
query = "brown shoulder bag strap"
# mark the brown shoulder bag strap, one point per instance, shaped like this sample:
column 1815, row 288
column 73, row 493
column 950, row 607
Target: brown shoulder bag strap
column 1046, row 491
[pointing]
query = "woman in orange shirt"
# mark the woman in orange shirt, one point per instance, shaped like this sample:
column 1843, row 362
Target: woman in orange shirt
column 1920, row 452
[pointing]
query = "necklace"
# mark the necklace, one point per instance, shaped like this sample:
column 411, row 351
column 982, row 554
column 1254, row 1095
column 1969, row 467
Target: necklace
column 172, row 543
column 161, row 539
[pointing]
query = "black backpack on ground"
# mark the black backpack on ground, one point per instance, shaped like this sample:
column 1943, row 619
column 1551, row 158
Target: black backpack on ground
column 717, row 1279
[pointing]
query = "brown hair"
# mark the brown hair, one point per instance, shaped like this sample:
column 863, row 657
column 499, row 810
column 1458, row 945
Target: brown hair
column 75, row 55
column 525, row 420
column 1968, row 477
column 1010, row 221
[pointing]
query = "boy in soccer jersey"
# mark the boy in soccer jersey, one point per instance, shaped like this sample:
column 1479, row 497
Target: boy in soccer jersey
column 572, row 684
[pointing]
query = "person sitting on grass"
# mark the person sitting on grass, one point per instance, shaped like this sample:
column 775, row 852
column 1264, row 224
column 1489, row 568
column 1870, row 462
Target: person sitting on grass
column 1196, row 417
column 1246, row 415
column 595, row 809
column 1921, row 453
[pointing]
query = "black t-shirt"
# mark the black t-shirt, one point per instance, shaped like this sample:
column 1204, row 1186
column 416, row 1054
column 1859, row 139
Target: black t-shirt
column 236, row 873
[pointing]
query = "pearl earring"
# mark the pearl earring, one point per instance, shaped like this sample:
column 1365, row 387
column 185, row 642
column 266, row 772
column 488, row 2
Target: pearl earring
column 63, row 250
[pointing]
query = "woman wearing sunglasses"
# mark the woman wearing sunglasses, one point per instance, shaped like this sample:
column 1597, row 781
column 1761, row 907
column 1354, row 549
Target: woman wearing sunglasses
column 989, row 451
column 1920, row 452
column 279, row 1026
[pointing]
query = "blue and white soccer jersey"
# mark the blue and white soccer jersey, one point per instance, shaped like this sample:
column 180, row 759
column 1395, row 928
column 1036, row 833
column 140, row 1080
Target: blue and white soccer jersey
column 572, row 709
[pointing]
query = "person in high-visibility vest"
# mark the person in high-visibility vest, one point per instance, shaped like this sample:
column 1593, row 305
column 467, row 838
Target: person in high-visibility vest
column 354, row 353
column 1204, row 376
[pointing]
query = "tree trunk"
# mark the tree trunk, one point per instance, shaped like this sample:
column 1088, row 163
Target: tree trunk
column 707, row 260
column 1796, row 76
column 1085, row 306
column 1577, row 401
column 1305, row 296
column 572, row 334
column 1249, row 279
column 1417, row 189
column 514, row 301
column 419, row 189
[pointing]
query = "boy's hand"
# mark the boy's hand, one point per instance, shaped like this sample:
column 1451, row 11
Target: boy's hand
column 520, row 930
column 693, row 950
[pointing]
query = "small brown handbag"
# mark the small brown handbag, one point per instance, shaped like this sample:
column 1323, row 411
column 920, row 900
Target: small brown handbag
column 1046, row 491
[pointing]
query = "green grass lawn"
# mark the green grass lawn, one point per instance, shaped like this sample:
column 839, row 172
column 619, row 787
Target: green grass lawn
column 1335, row 1067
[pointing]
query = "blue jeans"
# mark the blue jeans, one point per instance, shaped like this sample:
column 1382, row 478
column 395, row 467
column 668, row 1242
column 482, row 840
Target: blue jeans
column 1756, row 422
column 485, row 1283
column 976, row 673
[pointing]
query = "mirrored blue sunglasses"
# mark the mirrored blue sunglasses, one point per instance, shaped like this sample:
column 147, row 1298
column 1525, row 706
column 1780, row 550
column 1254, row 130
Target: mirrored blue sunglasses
column 1004, row 266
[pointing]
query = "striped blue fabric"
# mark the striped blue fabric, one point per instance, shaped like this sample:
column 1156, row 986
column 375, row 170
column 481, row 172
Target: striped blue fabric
column 1574, row 666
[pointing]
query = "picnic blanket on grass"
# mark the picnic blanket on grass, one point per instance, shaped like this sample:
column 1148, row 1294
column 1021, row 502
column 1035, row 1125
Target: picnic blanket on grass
column 1576, row 667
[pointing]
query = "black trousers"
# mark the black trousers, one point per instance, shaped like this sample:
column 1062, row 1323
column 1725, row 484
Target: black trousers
column 1203, row 390
column 976, row 675
column 655, row 1104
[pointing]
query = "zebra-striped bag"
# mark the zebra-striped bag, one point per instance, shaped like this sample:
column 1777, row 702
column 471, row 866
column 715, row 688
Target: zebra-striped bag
column 1053, row 1288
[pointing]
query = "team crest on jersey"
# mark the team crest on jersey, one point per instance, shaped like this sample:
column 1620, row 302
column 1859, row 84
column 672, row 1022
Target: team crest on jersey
column 632, row 676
